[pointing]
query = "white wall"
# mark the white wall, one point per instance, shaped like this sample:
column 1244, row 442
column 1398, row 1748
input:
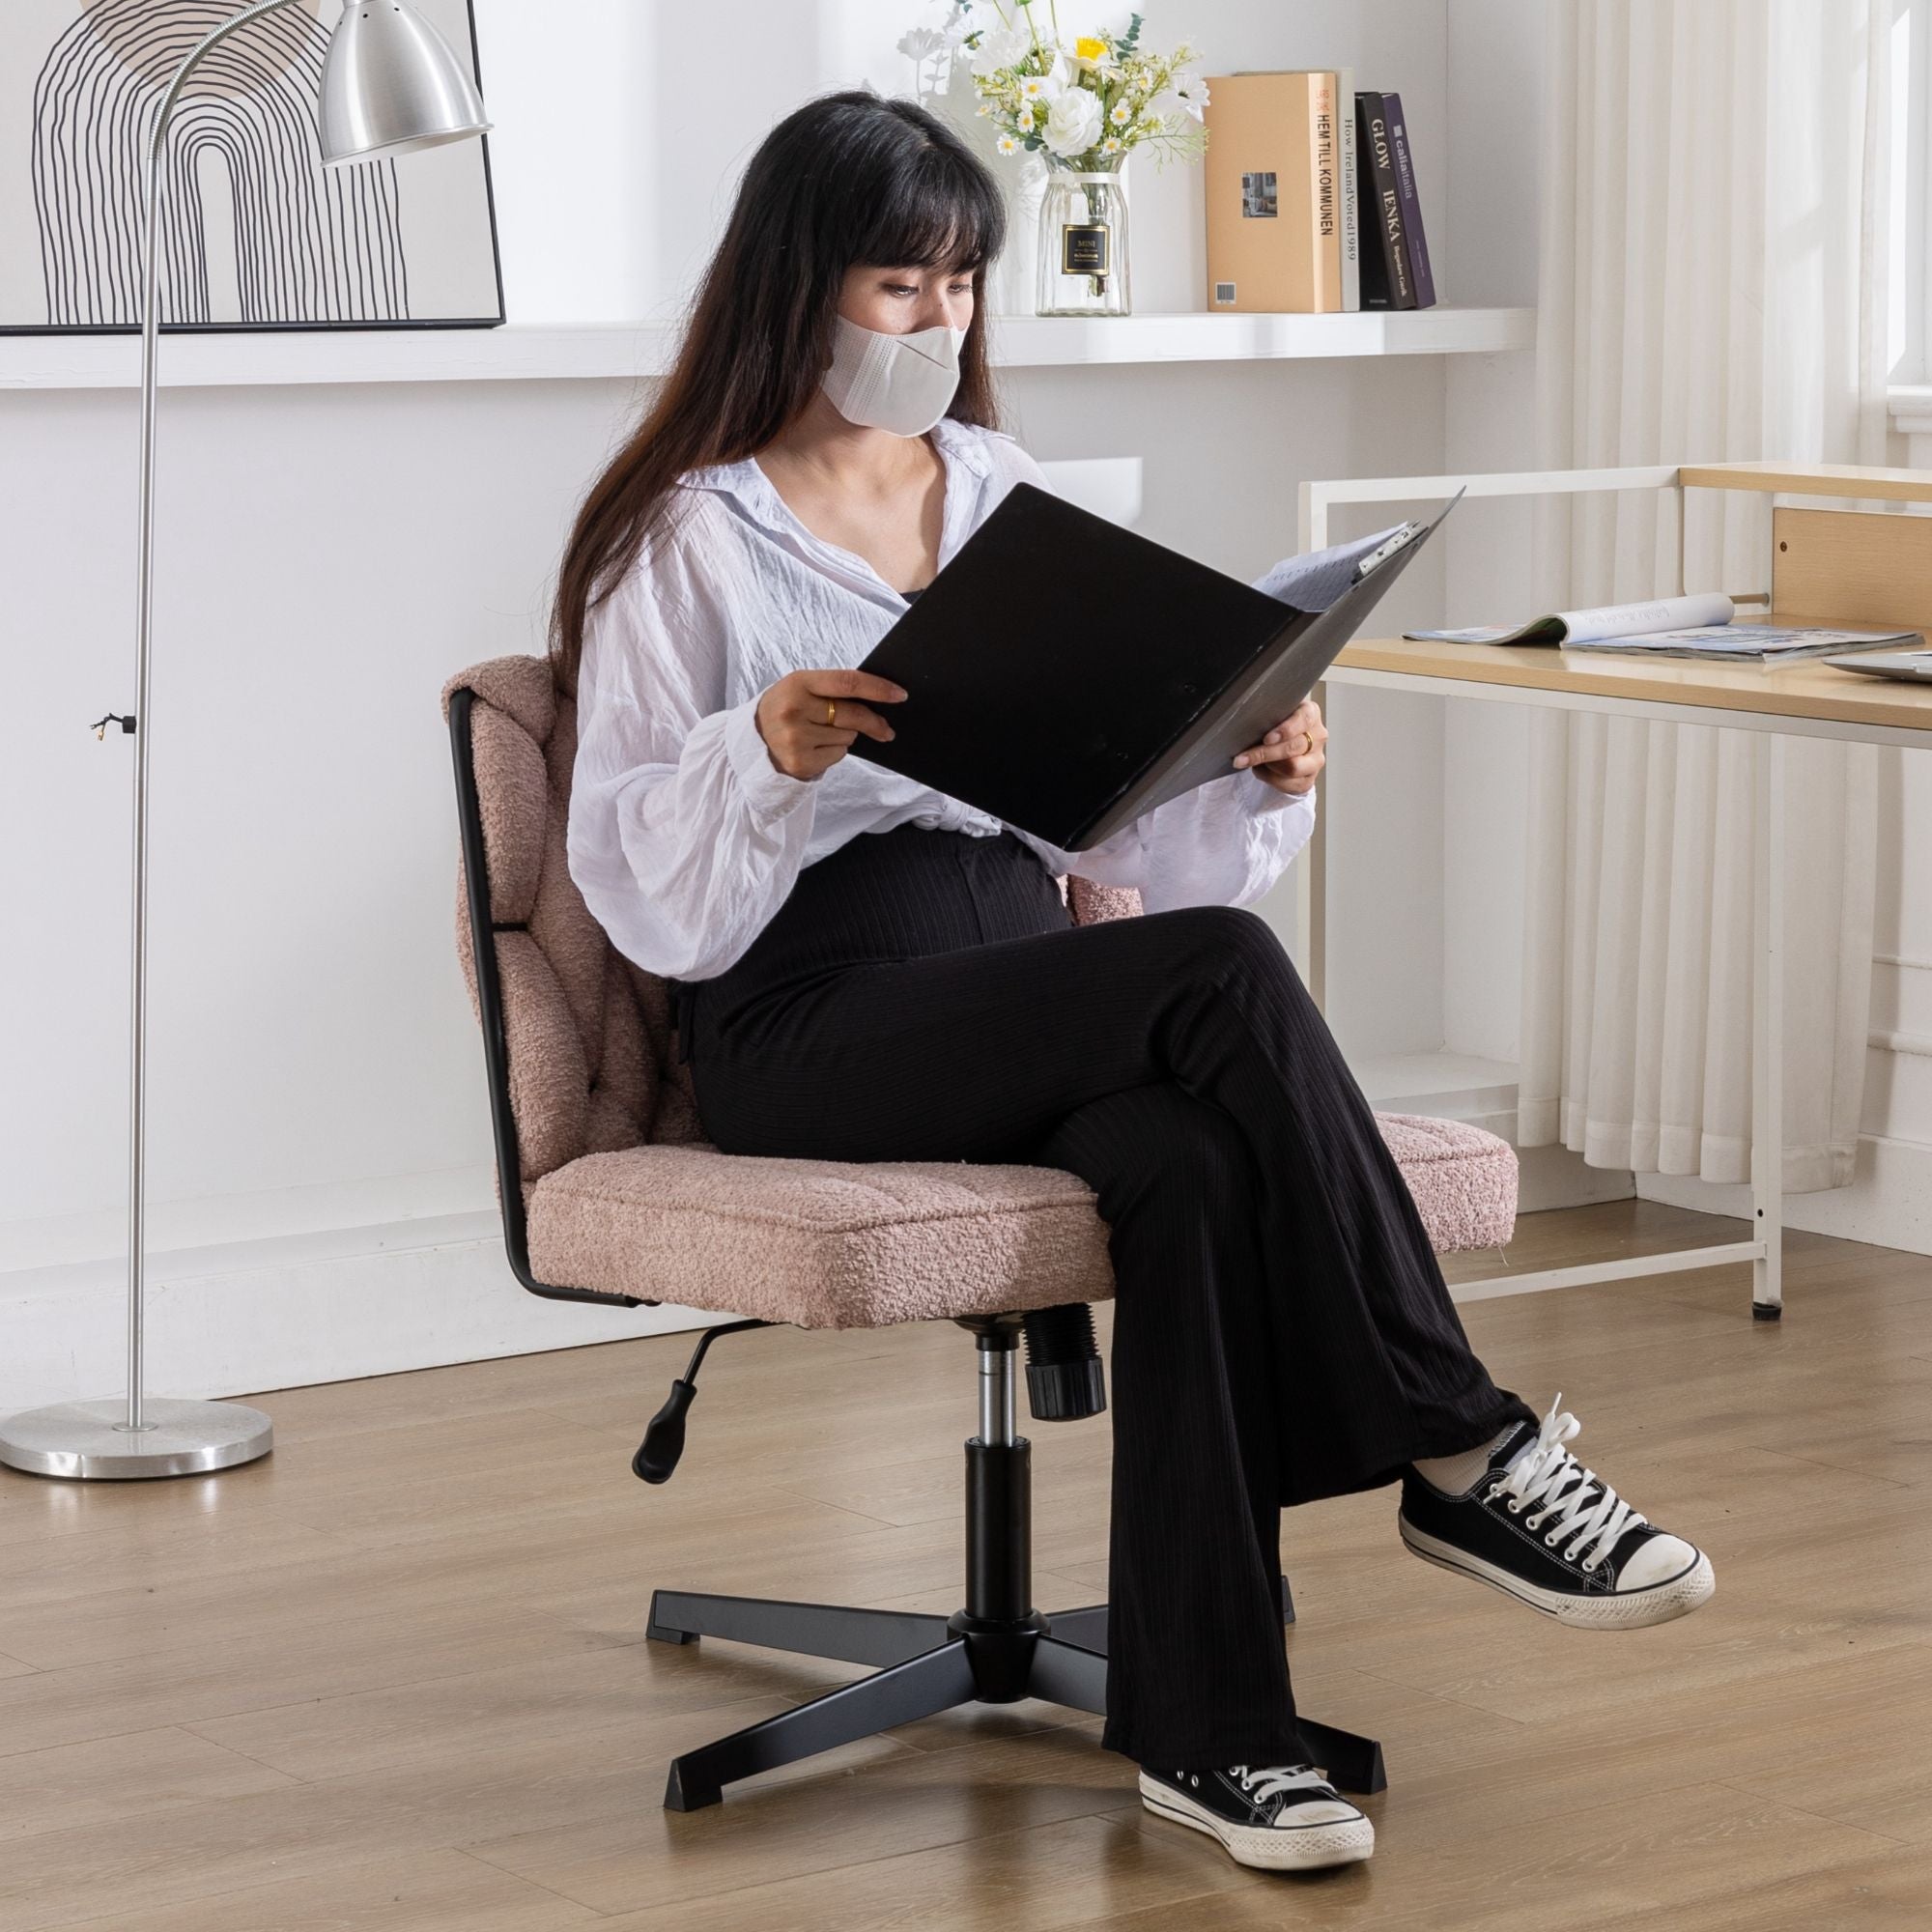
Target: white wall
column 1496, row 54
column 1451, row 917
column 611, row 189
column 319, row 1187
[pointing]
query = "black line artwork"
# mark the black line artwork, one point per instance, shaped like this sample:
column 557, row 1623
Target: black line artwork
column 295, row 244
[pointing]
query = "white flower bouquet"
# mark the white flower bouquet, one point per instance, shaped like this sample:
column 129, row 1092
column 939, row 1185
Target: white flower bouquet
column 1082, row 104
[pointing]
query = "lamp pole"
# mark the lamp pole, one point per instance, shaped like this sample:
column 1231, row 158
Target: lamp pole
column 386, row 89
column 248, row 1433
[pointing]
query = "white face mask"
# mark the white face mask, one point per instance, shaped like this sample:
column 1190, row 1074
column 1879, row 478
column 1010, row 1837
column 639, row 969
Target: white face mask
column 899, row 383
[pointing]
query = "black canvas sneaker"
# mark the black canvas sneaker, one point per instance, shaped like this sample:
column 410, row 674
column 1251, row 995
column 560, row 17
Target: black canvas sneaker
column 1281, row 1817
column 1540, row 1527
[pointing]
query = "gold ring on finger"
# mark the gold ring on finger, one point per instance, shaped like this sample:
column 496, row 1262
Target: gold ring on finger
column 832, row 711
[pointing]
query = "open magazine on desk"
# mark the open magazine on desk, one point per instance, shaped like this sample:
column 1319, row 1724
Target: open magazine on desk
column 1701, row 626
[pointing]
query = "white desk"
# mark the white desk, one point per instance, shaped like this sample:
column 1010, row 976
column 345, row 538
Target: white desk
column 1848, row 569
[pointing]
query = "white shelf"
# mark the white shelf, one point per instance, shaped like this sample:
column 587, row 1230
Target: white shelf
column 1031, row 341
column 1453, row 1086
column 627, row 351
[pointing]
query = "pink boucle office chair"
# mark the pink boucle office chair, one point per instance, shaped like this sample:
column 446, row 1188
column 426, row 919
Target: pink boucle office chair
column 610, row 1194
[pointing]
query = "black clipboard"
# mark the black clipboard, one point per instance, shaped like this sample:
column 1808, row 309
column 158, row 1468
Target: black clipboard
column 1065, row 676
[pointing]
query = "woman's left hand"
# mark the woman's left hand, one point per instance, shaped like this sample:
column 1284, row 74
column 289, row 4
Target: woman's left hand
column 1291, row 757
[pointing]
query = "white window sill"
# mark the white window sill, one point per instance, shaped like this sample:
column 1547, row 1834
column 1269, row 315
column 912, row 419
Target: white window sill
column 1909, row 406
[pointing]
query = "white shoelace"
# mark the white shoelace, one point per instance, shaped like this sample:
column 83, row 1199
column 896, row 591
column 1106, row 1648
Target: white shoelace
column 1270, row 1780
column 1545, row 1469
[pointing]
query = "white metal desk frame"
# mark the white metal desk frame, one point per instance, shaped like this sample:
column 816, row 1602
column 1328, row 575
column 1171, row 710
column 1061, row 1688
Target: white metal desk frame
column 1765, row 1249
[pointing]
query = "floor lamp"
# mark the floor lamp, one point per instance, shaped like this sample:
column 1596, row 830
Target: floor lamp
column 391, row 84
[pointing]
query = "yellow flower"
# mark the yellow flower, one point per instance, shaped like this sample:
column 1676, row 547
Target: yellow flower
column 1089, row 47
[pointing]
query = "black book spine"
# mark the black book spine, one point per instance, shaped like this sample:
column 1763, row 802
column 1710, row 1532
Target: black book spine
column 1411, row 206
column 1387, row 280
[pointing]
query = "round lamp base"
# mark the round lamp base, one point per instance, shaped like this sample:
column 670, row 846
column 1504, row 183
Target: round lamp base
column 90, row 1442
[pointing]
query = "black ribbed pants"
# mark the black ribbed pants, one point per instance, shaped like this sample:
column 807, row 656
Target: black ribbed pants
column 1281, row 1330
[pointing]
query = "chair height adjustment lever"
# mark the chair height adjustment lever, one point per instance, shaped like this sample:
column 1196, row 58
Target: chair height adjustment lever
column 664, row 1436
column 1065, row 1379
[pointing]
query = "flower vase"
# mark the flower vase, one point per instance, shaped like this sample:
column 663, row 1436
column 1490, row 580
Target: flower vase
column 1083, row 246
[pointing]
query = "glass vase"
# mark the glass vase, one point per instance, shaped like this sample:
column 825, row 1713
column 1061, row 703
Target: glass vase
column 1083, row 246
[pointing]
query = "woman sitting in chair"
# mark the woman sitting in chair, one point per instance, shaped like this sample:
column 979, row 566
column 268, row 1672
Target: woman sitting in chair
column 873, row 971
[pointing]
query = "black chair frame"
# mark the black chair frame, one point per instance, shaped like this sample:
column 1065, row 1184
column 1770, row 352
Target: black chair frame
column 997, row 1649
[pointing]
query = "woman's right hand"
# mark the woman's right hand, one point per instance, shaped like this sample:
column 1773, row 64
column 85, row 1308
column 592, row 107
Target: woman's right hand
column 792, row 716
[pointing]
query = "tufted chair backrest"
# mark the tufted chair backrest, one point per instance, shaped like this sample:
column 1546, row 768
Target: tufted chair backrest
column 587, row 1033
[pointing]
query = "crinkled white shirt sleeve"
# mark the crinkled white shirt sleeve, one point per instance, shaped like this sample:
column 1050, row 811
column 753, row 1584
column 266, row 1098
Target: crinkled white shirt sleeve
column 1224, row 844
column 683, row 836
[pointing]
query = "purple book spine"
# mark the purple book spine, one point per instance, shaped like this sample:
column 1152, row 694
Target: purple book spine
column 1411, row 206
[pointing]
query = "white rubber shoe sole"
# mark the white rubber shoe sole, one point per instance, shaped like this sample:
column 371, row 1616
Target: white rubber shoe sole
column 1267, row 1847
column 1631, row 1609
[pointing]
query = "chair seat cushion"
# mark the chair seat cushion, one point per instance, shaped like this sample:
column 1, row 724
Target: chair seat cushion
column 1464, row 1179
column 851, row 1244
column 819, row 1243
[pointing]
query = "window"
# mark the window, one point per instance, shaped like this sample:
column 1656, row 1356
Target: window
column 1910, row 318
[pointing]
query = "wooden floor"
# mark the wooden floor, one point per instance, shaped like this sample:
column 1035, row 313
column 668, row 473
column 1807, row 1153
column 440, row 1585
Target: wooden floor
column 395, row 1677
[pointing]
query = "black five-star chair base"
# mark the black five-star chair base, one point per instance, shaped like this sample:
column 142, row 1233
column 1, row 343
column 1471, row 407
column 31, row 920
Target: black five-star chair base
column 996, row 1651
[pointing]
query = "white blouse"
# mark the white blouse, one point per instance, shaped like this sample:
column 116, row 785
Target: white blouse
column 685, row 839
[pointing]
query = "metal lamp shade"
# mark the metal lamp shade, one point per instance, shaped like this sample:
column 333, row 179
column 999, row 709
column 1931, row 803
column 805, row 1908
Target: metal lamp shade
column 391, row 83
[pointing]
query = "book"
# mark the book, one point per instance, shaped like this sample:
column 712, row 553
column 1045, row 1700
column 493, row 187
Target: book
column 1412, row 235
column 1271, row 179
column 1351, row 226
column 1386, row 278
column 1324, row 135
column 1913, row 666
column 1607, row 620
column 1748, row 644
column 1701, row 626
column 1066, row 675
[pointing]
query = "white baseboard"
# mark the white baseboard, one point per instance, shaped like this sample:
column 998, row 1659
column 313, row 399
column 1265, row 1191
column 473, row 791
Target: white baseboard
column 1464, row 1087
column 285, row 1311
column 1553, row 1177
column 1888, row 1203
column 290, row 1310
column 224, row 1220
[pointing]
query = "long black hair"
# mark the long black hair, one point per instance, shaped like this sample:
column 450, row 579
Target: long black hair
column 847, row 179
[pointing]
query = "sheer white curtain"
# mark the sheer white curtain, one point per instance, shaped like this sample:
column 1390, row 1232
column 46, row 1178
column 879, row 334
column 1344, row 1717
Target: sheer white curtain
column 1711, row 288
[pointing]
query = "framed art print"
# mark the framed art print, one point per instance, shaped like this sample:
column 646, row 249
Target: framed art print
column 255, row 233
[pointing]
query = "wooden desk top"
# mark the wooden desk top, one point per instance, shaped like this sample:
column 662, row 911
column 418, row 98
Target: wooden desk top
column 1809, row 687
column 1812, row 480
